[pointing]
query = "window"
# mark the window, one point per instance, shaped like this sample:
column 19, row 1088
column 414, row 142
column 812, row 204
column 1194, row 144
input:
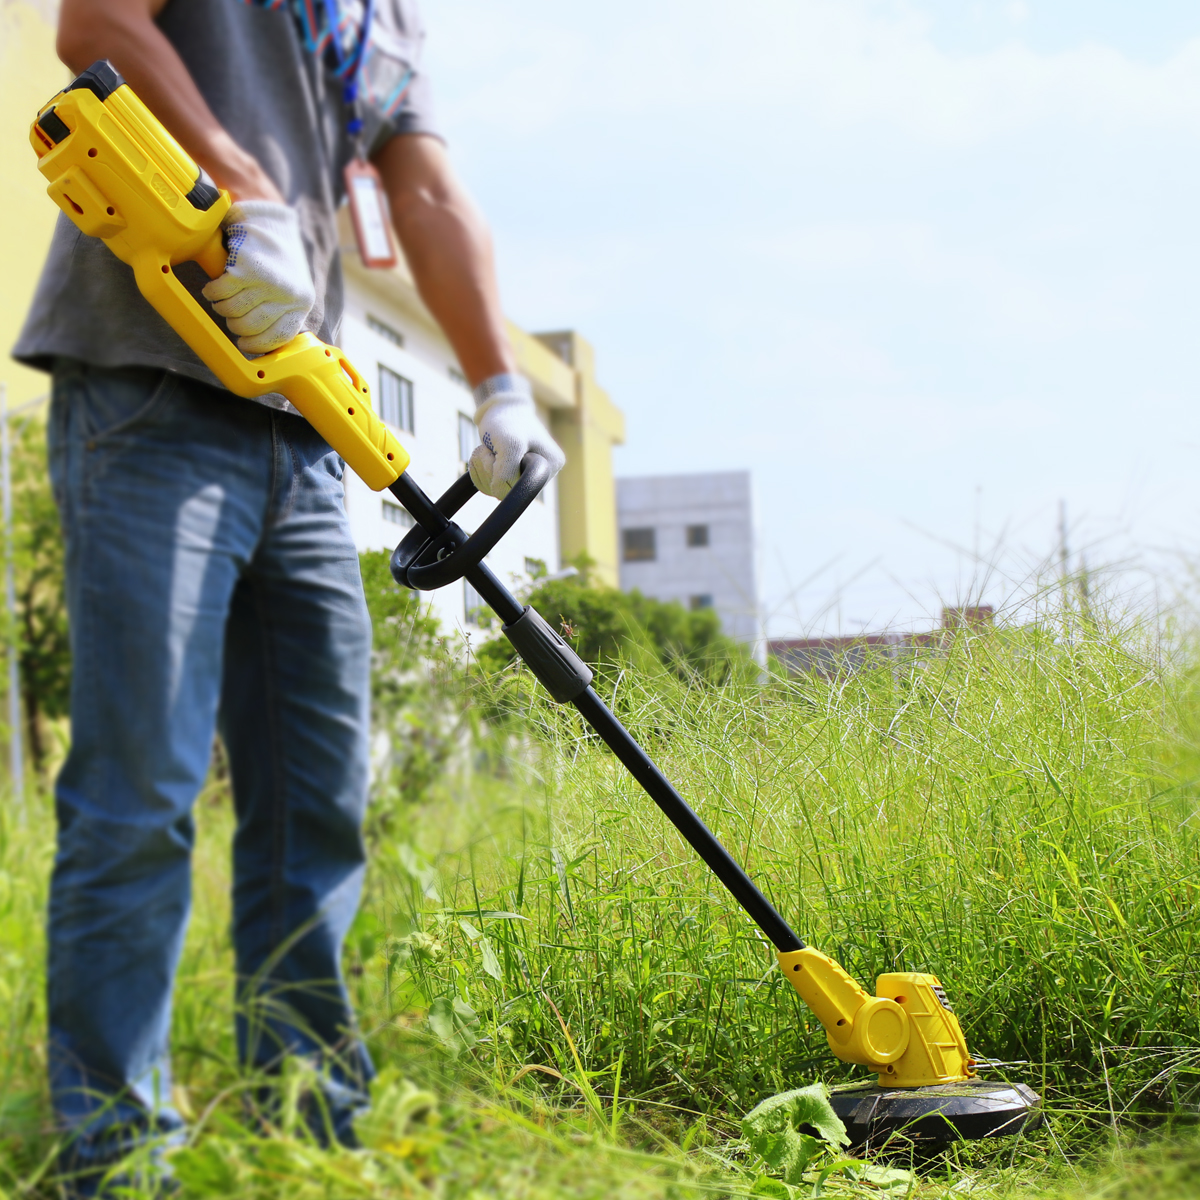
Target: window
column 696, row 603
column 535, row 568
column 385, row 331
column 472, row 604
column 395, row 399
column 458, row 377
column 393, row 514
column 468, row 437
column 697, row 535
column 638, row 545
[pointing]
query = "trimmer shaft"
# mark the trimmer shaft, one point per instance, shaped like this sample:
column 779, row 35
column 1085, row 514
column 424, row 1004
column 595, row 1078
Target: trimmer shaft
column 929, row 1116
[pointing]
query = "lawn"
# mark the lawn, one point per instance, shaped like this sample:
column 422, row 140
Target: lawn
column 562, row 1002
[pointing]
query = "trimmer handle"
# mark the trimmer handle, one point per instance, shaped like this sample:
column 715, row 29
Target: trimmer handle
column 425, row 561
column 120, row 176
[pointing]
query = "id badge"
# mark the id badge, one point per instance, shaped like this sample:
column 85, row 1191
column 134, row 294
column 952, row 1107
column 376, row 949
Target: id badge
column 369, row 212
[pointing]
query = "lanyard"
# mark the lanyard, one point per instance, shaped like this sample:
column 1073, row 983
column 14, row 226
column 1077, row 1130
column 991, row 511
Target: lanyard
column 349, row 66
column 323, row 39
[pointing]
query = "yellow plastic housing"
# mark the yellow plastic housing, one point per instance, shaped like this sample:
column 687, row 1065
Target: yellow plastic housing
column 120, row 176
column 906, row 1032
column 937, row 1051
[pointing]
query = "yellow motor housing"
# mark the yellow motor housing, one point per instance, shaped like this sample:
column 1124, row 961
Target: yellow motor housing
column 907, row 1031
column 119, row 175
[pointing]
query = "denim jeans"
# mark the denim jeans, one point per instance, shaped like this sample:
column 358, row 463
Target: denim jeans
column 211, row 580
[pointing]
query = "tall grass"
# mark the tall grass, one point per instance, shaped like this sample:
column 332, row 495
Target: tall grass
column 1014, row 811
column 1010, row 813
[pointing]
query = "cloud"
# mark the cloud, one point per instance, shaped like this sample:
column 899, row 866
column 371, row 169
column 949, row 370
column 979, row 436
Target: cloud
column 833, row 63
column 1012, row 294
column 811, row 238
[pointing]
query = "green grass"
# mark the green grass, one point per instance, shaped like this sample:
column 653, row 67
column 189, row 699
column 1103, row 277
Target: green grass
column 540, row 951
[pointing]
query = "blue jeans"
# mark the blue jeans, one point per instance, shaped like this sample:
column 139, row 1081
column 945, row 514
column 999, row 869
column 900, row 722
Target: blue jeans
column 211, row 581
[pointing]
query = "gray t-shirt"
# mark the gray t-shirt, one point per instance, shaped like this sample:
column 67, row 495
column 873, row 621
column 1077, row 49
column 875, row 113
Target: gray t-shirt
column 280, row 103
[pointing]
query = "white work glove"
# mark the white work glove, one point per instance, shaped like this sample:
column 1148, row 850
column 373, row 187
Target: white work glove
column 267, row 289
column 509, row 429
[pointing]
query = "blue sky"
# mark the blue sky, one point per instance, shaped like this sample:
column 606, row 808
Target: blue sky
column 926, row 269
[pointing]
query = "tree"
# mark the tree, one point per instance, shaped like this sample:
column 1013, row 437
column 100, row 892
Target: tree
column 416, row 684
column 44, row 651
column 606, row 627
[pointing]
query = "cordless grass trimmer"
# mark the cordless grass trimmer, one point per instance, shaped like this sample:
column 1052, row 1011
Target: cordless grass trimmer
column 116, row 172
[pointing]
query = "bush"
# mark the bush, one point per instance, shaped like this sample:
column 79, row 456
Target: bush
column 417, row 717
column 608, row 628
column 43, row 647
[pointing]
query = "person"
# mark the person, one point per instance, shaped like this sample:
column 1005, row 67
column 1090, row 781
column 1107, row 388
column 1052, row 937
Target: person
column 212, row 582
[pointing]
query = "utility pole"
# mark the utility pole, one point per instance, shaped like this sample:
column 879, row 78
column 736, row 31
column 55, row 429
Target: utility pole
column 1085, row 590
column 16, row 758
column 978, row 520
column 1064, row 555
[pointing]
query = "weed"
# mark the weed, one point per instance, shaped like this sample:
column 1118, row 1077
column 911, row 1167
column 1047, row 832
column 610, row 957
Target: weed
column 564, row 1002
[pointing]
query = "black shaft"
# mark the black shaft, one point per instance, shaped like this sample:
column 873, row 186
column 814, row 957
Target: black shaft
column 639, row 764
column 503, row 603
column 423, row 510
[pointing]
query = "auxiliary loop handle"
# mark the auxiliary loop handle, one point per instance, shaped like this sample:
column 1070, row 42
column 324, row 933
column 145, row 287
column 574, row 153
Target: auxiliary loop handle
column 425, row 562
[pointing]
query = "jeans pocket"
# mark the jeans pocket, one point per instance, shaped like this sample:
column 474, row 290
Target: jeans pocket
column 116, row 401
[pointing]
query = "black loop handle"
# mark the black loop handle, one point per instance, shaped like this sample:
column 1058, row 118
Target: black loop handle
column 425, row 562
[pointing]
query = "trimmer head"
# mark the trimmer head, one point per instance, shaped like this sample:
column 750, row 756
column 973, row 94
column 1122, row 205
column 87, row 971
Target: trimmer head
column 930, row 1116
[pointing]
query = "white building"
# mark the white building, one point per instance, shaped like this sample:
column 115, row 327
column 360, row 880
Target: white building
column 691, row 538
column 418, row 389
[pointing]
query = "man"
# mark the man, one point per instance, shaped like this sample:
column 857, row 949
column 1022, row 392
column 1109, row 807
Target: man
column 211, row 576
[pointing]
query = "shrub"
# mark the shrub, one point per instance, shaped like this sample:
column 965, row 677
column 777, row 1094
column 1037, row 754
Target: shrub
column 608, row 628
column 417, row 718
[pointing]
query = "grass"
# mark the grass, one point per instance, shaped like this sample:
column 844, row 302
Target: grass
column 563, row 1002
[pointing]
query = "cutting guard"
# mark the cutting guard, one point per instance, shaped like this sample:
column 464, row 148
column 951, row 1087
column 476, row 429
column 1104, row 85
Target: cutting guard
column 931, row 1116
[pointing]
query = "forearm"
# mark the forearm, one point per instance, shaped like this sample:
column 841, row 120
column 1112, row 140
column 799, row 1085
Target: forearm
column 452, row 265
column 449, row 250
column 127, row 36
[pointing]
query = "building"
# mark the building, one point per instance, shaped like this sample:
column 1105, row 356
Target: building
column 30, row 74
column 691, row 538
column 830, row 656
column 390, row 336
column 419, row 390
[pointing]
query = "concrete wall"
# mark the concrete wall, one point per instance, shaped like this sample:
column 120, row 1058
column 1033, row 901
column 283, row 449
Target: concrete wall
column 587, row 430
column 30, row 74
column 725, row 569
column 433, row 444
column 579, row 515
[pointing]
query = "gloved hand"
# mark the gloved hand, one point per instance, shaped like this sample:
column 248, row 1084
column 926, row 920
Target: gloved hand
column 509, row 429
column 267, row 289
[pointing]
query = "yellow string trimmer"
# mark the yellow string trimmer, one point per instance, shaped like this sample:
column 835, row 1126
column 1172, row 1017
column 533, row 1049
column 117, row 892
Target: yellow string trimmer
column 120, row 176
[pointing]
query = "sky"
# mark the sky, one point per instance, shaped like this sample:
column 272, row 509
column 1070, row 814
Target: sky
column 930, row 271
